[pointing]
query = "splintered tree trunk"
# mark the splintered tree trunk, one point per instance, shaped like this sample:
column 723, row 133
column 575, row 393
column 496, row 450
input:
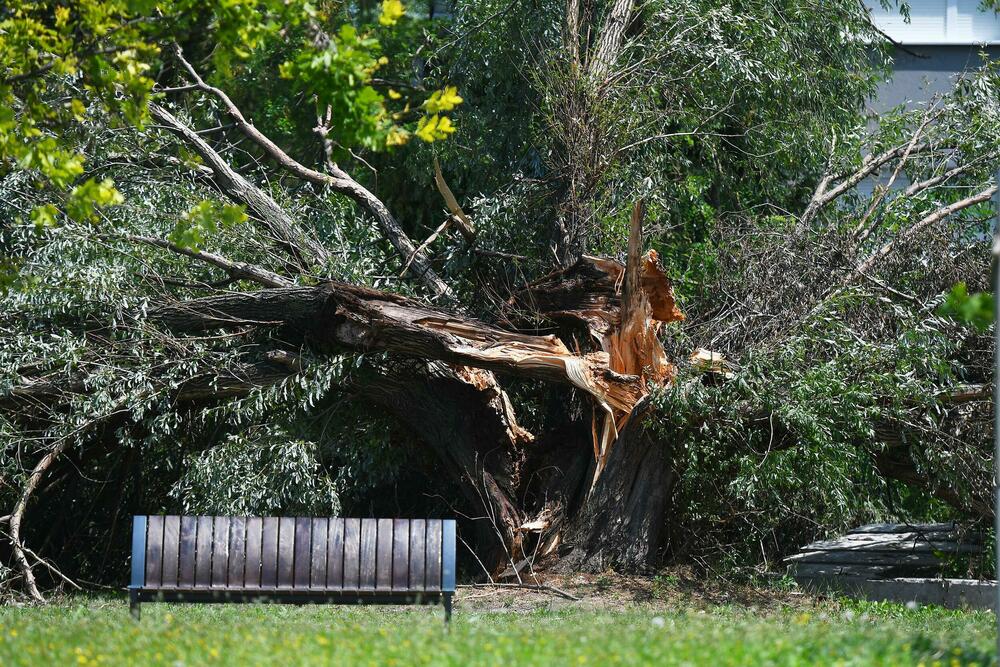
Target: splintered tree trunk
column 612, row 511
column 593, row 486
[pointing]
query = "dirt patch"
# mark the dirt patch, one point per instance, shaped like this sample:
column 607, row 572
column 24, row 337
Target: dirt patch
column 669, row 589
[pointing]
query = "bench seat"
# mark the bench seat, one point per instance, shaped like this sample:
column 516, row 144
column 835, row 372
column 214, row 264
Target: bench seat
column 297, row 560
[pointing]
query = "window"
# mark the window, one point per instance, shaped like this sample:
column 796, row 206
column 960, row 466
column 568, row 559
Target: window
column 939, row 22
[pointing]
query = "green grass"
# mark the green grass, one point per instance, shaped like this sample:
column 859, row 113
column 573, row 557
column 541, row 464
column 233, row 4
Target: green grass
column 89, row 631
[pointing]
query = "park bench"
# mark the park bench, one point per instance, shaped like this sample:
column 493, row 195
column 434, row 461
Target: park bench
column 297, row 560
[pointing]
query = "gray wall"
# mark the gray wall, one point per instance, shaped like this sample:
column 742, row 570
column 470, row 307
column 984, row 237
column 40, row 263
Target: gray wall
column 917, row 79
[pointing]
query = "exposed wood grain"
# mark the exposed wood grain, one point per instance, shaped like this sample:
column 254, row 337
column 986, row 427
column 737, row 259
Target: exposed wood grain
column 317, row 556
column 418, row 554
column 286, row 551
column 866, row 571
column 335, row 557
column 254, row 542
column 369, row 533
column 237, row 552
column 383, row 555
column 434, row 534
column 269, row 553
column 894, row 541
column 400, row 554
column 220, row 552
column 303, row 552
column 923, row 528
column 352, row 554
column 865, row 557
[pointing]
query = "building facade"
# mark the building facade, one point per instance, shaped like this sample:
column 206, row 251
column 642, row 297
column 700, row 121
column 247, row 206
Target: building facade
column 942, row 39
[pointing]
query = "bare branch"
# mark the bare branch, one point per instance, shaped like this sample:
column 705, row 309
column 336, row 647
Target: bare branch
column 338, row 180
column 278, row 223
column 239, row 270
column 915, row 229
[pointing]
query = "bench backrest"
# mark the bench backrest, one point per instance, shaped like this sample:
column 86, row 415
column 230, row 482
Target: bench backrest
column 293, row 553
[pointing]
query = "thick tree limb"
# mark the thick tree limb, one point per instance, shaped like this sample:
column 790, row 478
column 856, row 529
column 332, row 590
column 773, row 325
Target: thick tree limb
column 341, row 316
column 610, row 40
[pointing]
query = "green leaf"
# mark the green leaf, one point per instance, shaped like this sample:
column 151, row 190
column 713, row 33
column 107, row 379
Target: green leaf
column 972, row 309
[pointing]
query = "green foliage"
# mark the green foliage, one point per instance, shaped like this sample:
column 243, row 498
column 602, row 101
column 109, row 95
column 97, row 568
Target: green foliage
column 261, row 472
column 973, row 309
column 723, row 117
column 787, row 444
column 100, row 54
column 202, row 221
column 339, row 76
column 103, row 56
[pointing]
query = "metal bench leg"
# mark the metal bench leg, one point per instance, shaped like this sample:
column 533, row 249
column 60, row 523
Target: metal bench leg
column 133, row 603
column 447, row 609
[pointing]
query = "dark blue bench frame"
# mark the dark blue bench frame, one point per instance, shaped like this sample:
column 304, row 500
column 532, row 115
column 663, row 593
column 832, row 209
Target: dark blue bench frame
column 139, row 591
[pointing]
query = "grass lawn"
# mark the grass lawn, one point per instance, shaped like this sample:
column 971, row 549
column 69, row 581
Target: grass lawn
column 98, row 631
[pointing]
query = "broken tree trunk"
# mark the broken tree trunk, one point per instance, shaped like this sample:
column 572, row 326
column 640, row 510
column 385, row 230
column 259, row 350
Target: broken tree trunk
column 623, row 521
column 620, row 309
column 572, row 487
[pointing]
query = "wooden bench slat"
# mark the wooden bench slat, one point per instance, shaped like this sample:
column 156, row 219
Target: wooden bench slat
column 383, row 555
column 335, row 579
column 203, row 553
column 237, row 552
column 251, row 576
column 433, row 567
column 269, row 553
column 352, row 554
column 418, row 553
column 317, row 556
column 369, row 534
column 220, row 552
column 400, row 554
column 303, row 552
column 286, row 551
column 154, row 551
column 171, row 550
column 189, row 535
column 137, row 577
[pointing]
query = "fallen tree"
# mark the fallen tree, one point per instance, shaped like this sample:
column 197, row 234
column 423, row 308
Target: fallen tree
column 147, row 354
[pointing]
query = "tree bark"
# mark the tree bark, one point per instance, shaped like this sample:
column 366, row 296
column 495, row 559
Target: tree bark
column 622, row 523
column 341, row 316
